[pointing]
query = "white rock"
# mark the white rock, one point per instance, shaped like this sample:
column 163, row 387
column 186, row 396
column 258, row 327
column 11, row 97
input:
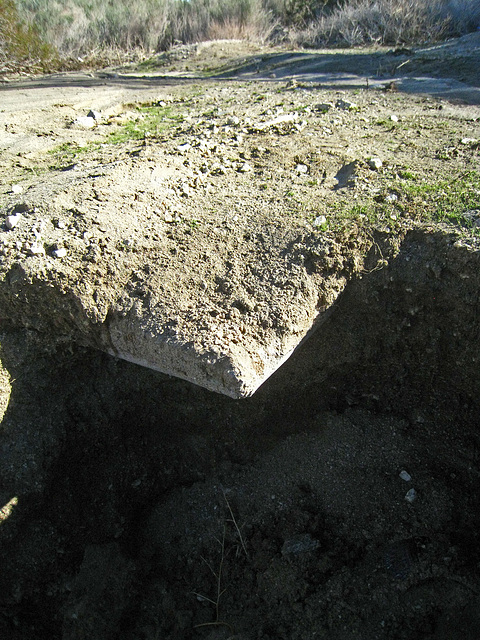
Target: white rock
column 392, row 197
column 17, row 188
column 86, row 122
column 186, row 191
column 404, row 475
column 320, row 221
column 375, row 163
column 283, row 118
column 411, row 495
column 59, row 253
column 217, row 169
column 183, row 148
column 168, row 218
column 346, row 105
column 245, row 167
column 394, row 118
column 469, row 141
column 36, row 249
column 301, row 168
column 96, row 115
column 12, row 221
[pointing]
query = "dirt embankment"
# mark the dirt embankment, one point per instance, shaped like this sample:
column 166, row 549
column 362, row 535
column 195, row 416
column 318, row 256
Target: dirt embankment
column 340, row 500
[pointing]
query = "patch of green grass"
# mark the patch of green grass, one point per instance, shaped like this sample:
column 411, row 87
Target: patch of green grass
column 68, row 152
column 151, row 122
column 445, row 200
column 406, row 174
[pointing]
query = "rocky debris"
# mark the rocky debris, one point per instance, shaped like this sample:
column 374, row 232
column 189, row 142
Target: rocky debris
column 346, row 105
column 375, row 163
column 324, row 107
column 411, row 495
column 96, row 115
column 207, row 246
column 85, row 122
column 60, row 252
column 12, row 221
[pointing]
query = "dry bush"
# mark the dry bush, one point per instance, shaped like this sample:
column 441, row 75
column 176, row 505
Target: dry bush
column 76, row 27
column 465, row 15
column 94, row 29
column 20, row 44
column 218, row 19
column 390, row 22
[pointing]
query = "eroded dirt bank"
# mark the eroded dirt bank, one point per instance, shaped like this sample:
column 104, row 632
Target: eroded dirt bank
column 341, row 501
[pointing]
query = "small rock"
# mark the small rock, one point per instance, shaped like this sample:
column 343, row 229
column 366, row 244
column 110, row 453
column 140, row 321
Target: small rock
column 96, row 115
column 300, row 544
column 404, row 475
column 391, row 197
column 301, row 168
column 12, row 221
column 183, row 148
column 323, row 107
column 245, row 168
column 346, row 105
column 320, row 221
column 61, row 252
column 394, row 118
column 473, row 216
column 217, row 169
column 186, row 191
column 375, row 163
column 283, row 118
column 17, row 188
column 411, row 495
column 233, row 121
column 169, row 218
column 86, row 122
column 36, row 249
column 469, row 141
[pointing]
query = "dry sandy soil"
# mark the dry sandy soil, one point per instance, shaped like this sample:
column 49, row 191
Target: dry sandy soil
column 239, row 195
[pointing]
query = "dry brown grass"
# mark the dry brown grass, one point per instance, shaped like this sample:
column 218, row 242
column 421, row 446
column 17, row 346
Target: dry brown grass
column 390, row 22
column 99, row 33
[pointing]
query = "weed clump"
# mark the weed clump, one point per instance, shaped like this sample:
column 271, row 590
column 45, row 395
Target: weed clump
column 90, row 30
column 21, row 46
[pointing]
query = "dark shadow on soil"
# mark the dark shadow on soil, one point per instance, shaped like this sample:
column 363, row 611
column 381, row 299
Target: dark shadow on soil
column 121, row 473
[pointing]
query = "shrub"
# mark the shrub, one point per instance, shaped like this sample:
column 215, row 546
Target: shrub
column 391, row 22
column 19, row 42
column 78, row 27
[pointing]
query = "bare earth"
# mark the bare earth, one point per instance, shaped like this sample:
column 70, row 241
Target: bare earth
column 220, row 203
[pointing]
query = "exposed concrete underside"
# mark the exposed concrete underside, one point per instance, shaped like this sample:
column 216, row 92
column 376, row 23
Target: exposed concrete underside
column 204, row 304
column 202, row 250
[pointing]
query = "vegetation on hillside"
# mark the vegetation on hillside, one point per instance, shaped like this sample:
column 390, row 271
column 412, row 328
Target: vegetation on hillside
column 20, row 41
column 33, row 29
